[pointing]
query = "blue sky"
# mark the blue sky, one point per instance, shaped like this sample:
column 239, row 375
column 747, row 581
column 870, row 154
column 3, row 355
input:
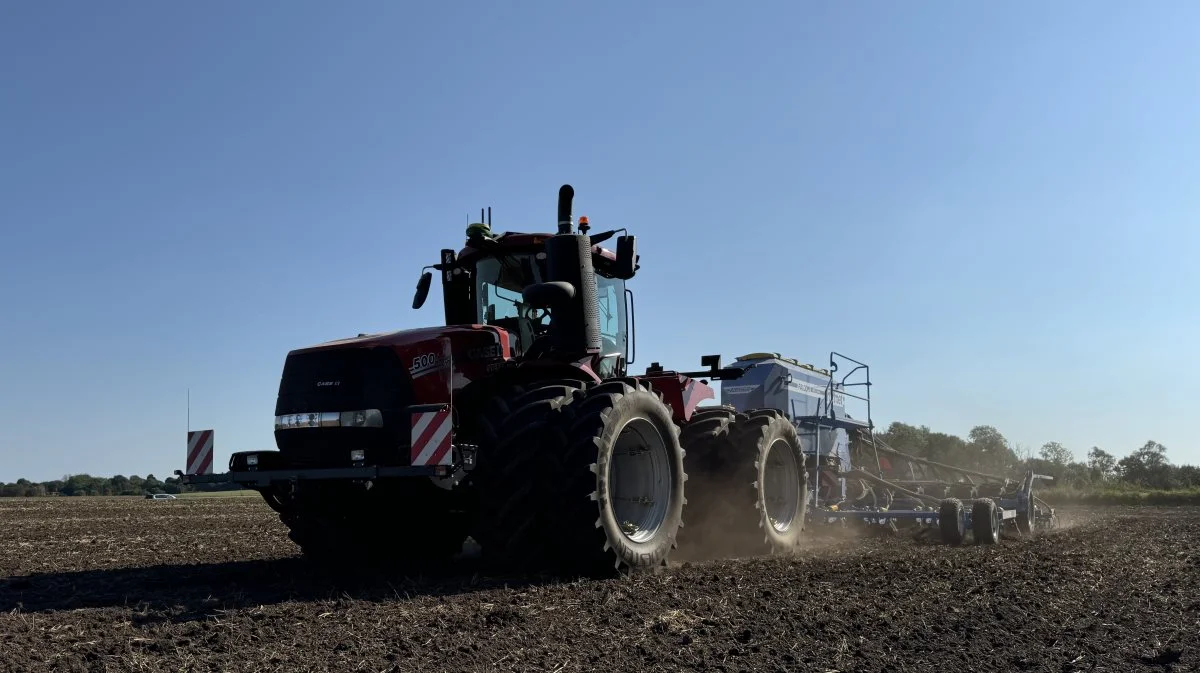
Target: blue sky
column 994, row 208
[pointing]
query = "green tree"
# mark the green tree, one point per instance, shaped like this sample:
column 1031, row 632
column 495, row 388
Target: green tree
column 908, row 438
column 1074, row 474
column 1101, row 464
column 1056, row 453
column 152, row 484
column 950, row 449
column 1148, row 466
column 120, row 485
column 994, row 451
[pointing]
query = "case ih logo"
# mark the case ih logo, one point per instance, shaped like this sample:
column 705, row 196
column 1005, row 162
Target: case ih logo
column 484, row 352
column 326, row 384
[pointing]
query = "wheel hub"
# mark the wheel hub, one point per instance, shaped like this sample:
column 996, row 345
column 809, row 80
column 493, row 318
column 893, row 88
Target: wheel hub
column 781, row 486
column 640, row 480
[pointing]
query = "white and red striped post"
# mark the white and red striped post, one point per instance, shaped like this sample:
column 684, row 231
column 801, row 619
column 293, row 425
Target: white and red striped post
column 199, row 452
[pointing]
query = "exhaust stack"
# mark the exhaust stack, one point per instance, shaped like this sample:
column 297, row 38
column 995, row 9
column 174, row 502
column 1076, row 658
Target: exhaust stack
column 566, row 194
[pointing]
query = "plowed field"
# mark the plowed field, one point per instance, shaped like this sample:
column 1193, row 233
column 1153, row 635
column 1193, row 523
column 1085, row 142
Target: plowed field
column 95, row 584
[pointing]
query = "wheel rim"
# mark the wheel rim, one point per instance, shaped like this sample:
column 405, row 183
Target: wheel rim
column 781, row 486
column 640, row 482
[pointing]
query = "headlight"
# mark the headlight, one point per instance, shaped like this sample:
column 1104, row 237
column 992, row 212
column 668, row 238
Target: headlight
column 252, row 460
column 358, row 455
column 365, row 418
column 309, row 420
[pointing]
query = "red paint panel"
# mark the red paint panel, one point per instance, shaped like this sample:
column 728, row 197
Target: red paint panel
column 681, row 393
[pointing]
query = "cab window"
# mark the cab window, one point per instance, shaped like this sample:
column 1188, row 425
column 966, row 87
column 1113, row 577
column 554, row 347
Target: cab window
column 614, row 332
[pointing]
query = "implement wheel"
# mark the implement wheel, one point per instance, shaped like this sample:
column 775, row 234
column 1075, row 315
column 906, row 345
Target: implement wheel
column 1026, row 524
column 950, row 521
column 984, row 524
column 1026, row 521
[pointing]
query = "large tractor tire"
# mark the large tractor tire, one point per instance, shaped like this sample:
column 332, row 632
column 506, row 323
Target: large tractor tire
column 515, row 481
column 749, row 488
column 705, row 442
column 621, row 479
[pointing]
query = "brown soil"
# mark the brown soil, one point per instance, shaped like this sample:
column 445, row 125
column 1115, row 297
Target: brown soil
column 207, row 585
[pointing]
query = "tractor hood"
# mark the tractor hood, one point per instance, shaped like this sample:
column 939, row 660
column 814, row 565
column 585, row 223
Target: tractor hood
column 408, row 337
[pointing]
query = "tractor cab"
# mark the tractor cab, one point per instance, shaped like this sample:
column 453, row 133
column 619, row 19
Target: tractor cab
column 487, row 282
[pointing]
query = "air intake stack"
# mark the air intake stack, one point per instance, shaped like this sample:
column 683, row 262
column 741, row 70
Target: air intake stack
column 570, row 292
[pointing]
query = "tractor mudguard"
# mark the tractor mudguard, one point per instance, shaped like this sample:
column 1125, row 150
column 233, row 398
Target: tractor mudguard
column 682, row 393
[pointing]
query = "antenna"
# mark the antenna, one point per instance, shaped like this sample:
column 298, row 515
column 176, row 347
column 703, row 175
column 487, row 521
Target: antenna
column 189, row 409
column 489, row 220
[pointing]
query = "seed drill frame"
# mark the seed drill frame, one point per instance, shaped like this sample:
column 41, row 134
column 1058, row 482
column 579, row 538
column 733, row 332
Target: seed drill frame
column 898, row 490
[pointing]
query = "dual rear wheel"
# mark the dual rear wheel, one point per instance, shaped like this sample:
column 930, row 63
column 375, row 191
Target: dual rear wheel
column 747, row 487
column 586, row 480
column 591, row 480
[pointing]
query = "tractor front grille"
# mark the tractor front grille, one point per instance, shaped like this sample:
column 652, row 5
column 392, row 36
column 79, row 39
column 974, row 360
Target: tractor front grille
column 346, row 379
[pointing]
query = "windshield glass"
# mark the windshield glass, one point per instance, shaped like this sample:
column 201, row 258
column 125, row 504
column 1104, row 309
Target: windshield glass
column 498, row 286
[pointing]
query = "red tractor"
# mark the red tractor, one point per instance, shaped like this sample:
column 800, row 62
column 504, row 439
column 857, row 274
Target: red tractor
column 518, row 424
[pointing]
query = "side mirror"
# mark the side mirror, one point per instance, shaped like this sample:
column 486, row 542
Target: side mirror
column 422, row 289
column 627, row 258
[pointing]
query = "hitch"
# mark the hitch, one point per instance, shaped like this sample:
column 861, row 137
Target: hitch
column 714, row 372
